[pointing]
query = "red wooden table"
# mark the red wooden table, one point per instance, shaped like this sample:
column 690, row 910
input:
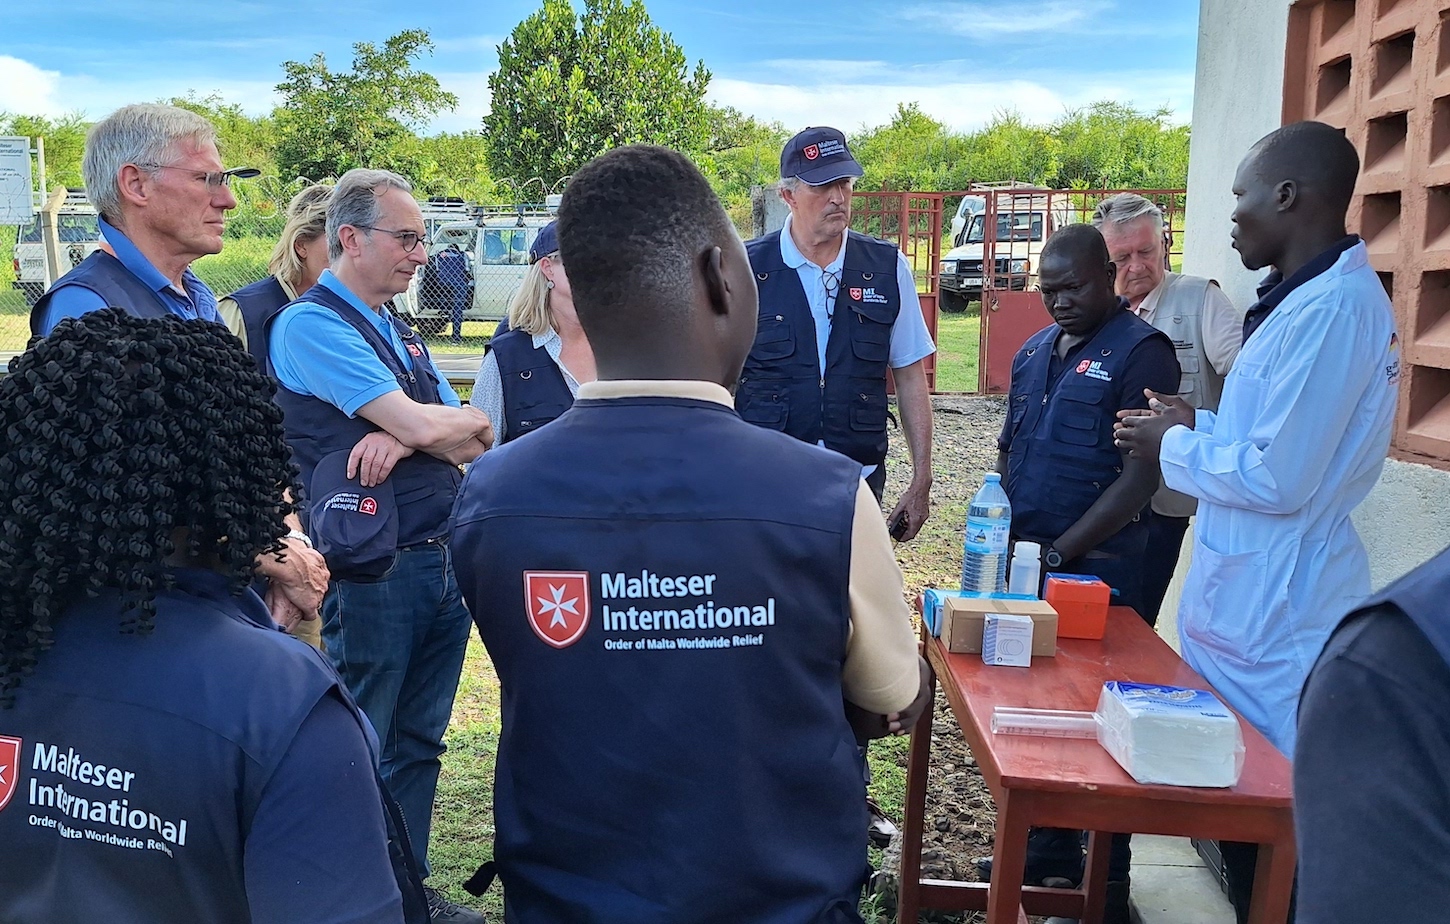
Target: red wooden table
column 1073, row 783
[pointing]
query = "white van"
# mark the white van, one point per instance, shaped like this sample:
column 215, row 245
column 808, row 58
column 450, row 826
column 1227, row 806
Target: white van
column 1023, row 224
column 80, row 236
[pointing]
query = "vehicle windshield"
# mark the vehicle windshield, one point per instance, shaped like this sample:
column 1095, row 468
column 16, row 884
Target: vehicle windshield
column 1011, row 226
column 74, row 229
column 463, row 237
column 507, row 246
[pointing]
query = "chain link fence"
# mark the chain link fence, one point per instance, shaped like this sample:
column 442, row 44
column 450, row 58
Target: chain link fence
column 495, row 239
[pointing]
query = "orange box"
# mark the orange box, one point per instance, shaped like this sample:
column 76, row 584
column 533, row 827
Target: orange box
column 1081, row 602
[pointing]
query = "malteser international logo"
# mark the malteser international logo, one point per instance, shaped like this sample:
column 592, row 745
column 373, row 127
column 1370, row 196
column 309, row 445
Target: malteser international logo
column 856, row 294
column 368, row 506
column 812, row 151
column 1084, row 366
column 558, row 605
column 9, row 768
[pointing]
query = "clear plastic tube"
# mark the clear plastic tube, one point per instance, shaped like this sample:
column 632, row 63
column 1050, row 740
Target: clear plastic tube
column 1046, row 723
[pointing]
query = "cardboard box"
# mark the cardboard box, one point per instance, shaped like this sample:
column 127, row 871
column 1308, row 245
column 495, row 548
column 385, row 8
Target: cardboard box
column 963, row 619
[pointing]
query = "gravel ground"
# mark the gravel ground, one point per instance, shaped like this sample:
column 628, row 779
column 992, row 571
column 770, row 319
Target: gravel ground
column 960, row 815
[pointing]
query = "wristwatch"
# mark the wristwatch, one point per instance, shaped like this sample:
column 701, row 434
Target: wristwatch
column 1052, row 558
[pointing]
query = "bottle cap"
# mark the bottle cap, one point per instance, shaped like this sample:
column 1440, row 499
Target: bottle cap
column 993, row 476
column 1025, row 549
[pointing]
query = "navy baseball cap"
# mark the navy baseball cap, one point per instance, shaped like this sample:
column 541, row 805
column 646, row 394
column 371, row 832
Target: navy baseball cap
column 546, row 243
column 818, row 156
column 355, row 528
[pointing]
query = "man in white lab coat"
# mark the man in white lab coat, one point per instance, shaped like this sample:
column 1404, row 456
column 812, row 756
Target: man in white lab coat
column 1299, row 439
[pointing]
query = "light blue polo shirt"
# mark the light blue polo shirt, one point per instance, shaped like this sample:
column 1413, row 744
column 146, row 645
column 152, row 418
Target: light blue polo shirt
column 194, row 301
column 315, row 352
column 910, row 340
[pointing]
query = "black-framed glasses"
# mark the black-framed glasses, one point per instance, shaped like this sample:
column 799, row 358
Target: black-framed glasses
column 831, row 282
column 214, row 179
column 408, row 239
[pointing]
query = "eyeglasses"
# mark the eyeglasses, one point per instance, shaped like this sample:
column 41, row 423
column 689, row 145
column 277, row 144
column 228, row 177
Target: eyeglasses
column 214, row 180
column 409, row 239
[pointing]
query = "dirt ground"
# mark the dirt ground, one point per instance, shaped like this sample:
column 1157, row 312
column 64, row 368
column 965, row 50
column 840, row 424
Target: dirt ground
column 960, row 815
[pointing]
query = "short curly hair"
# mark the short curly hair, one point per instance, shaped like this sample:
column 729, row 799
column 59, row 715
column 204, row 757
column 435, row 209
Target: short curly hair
column 122, row 435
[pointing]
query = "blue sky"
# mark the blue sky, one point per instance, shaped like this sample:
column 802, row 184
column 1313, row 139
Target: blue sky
column 846, row 63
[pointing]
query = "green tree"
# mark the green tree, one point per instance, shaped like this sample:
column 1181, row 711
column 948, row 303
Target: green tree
column 332, row 121
column 243, row 140
column 65, row 141
column 568, row 89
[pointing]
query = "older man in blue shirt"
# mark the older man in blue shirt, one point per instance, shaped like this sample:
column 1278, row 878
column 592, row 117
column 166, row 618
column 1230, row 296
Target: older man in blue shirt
column 372, row 422
column 154, row 175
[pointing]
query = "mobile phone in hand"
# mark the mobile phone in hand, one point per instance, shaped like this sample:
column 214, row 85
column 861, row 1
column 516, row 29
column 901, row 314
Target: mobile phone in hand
column 897, row 526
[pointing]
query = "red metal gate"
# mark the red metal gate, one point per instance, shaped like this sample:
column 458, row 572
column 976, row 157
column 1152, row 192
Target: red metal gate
column 1021, row 218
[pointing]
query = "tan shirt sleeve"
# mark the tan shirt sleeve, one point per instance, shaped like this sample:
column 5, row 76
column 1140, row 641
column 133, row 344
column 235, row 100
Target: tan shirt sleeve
column 1223, row 329
column 880, row 673
column 231, row 315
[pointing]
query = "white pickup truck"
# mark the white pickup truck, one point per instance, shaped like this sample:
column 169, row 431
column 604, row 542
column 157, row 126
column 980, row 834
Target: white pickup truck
column 80, row 236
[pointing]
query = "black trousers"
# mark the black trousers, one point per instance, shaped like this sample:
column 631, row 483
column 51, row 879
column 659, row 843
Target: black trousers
column 876, row 481
column 1165, row 539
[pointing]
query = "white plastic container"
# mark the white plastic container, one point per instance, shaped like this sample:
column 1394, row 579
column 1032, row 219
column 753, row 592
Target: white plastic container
column 1026, row 574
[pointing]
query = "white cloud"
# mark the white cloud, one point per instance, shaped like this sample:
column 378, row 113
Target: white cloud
column 961, row 105
column 28, row 90
column 994, row 20
column 471, row 88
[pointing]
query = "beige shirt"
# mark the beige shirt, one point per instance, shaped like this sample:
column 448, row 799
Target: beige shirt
column 880, row 674
column 1222, row 325
column 231, row 312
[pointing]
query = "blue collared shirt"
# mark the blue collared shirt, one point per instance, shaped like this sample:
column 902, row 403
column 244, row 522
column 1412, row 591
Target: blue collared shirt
column 910, row 340
column 193, row 301
column 315, row 352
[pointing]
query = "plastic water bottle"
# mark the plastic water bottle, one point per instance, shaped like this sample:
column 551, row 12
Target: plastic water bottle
column 984, row 552
column 1026, row 574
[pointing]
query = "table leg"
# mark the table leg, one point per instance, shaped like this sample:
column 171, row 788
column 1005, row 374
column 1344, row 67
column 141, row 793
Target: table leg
column 1095, row 877
column 1273, row 883
column 908, row 900
column 1009, row 858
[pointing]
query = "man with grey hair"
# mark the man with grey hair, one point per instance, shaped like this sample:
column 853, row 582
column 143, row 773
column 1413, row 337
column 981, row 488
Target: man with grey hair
column 1206, row 332
column 154, row 174
column 379, row 435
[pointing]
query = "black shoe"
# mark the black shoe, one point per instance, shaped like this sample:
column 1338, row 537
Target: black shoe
column 1058, row 870
column 441, row 909
column 881, row 829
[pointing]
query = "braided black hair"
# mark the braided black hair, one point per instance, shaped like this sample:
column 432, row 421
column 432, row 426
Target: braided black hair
column 115, row 432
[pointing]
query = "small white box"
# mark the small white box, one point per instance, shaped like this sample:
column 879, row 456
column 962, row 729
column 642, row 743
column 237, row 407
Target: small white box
column 1007, row 640
column 1170, row 735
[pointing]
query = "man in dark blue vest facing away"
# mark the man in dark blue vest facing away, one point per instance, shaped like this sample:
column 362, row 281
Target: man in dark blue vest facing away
column 1072, row 491
column 692, row 618
column 837, row 310
column 372, row 423
column 154, row 175
column 1371, row 808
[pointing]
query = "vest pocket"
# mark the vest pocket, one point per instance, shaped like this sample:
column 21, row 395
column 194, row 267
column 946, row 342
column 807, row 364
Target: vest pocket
column 764, row 408
column 871, row 333
column 1077, row 425
column 868, row 411
column 773, row 339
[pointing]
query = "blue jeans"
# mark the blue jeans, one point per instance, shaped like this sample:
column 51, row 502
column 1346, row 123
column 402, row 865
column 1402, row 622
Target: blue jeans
column 398, row 644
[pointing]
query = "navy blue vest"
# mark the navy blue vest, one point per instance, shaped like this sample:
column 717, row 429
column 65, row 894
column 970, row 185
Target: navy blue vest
column 782, row 386
column 1062, row 455
column 108, row 277
column 1424, row 596
column 663, row 591
column 423, row 485
column 142, row 759
column 259, row 302
column 534, row 390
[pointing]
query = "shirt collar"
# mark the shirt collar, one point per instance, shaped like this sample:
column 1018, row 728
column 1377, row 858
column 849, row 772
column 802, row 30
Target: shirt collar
column 336, row 287
column 548, row 336
column 1149, row 304
column 793, row 257
column 657, row 388
column 1275, row 288
column 133, row 259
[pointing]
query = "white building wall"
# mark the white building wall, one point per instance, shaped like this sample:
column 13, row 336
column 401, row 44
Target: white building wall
column 1237, row 99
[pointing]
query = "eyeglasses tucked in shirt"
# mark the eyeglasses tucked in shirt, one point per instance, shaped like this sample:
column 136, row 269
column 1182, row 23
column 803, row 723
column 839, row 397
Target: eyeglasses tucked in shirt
column 831, row 282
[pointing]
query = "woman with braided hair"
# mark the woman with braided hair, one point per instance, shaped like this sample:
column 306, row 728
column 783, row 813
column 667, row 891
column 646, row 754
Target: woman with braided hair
column 160, row 738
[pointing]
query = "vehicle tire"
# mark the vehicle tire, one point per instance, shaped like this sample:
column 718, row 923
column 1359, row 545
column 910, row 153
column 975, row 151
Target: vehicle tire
column 953, row 302
column 431, row 327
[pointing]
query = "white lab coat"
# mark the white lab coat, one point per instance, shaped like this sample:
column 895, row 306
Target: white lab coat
column 1299, row 440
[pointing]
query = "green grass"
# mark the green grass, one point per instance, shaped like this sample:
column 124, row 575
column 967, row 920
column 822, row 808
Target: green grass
column 957, row 343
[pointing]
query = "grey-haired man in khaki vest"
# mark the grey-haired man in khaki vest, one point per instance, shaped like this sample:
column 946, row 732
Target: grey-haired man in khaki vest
column 1206, row 331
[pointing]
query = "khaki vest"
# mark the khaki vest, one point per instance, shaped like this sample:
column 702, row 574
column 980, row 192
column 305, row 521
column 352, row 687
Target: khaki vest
column 1179, row 314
